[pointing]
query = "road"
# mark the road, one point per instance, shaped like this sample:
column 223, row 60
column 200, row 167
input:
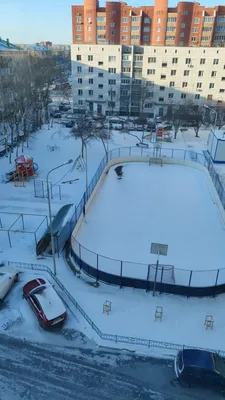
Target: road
column 32, row 371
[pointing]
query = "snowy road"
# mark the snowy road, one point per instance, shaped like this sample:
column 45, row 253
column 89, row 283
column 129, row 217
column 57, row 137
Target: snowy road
column 33, row 371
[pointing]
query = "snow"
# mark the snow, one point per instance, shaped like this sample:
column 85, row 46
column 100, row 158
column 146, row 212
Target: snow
column 50, row 302
column 132, row 310
column 172, row 204
column 220, row 134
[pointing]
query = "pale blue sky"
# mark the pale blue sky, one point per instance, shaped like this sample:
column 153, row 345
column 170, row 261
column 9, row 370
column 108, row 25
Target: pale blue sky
column 30, row 21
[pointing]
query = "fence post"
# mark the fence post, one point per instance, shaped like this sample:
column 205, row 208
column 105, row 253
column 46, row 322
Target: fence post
column 129, row 151
column 22, row 221
column 161, row 280
column 147, row 279
column 60, row 194
column 172, row 152
column 43, row 191
column 97, row 270
column 34, row 188
column 80, row 255
column 185, row 154
column 9, row 239
column 189, row 284
column 217, row 276
column 51, row 190
column 121, row 273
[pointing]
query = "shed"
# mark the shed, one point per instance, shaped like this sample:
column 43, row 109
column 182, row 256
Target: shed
column 216, row 146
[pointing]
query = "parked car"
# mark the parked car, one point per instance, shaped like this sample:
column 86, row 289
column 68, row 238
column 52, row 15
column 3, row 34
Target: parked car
column 8, row 276
column 63, row 107
column 200, row 368
column 45, row 303
column 55, row 114
column 70, row 124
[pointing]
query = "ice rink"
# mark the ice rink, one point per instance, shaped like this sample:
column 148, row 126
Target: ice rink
column 172, row 204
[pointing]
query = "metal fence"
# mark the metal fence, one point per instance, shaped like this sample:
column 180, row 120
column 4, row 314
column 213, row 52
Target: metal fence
column 106, row 336
column 118, row 272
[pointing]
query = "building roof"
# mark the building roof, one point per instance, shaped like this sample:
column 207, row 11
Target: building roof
column 5, row 45
column 37, row 48
column 199, row 359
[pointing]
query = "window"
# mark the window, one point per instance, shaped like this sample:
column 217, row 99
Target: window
column 146, row 29
column 100, row 86
column 197, row 96
column 170, row 95
column 181, row 43
column 90, row 92
column 171, row 19
column 205, row 38
column 124, row 38
column 138, row 58
column 125, row 81
column 207, row 29
column 152, row 59
column 194, row 39
column 80, row 102
column 183, row 96
column 89, row 20
column 146, row 20
column 220, row 29
column 184, row 84
column 113, row 12
column 148, row 105
column 112, row 58
column 126, row 57
column 223, row 78
column 134, row 28
column 90, row 70
column 80, row 80
column 78, row 57
column 174, row 60
column 184, row 12
column 112, row 82
column 194, row 30
column 101, row 19
column 170, row 29
column 101, row 37
column 78, row 20
column 196, row 20
column 162, row 88
column 135, row 19
column 164, row 64
column 100, row 63
column 209, row 97
column 213, row 73
column 182, row 25
column 170, row 38
column 199, row 85
column 126, row 69
column 79, row 70
column 157, row 38
column 202, row 61
column 124, row 20
column 186, row 72
column 216, row 61
column 89, row 28
column 211, row 86
column 172, row 84
column 91, row 81
column 112, row 24
column 200, row 73
column 90, row 58
column 150, row 94
column 78, row 28
column 150, row 83
column 221, row 38
column 112, row 93
column 100, row 75
column 188, row 61
column 112, row 70
column 208, row 19
column 80, row 92
column 100, row 27
column 222, row 90
column 173, row 72
column 146, row 38
column 150, row 71
column 158, row 20
column 124, row 28
column 161, row 99
column 158, row 29
column 163, row 76
column 134, row 37
column 112, row 33
column 221, row 18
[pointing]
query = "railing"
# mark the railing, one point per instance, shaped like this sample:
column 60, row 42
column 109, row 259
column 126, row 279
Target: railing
column 117, row 272
column 106, row 336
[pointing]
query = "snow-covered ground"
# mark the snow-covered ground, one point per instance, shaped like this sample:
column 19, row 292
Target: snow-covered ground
column 132, row 310
column 172, row 204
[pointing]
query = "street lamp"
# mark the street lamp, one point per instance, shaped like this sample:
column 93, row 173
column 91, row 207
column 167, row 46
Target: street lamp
column 215, row 112
column 50, row 212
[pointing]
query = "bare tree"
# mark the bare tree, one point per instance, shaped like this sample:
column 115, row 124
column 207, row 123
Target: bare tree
column 220, row 118
column 178, row 118
column 194, row 116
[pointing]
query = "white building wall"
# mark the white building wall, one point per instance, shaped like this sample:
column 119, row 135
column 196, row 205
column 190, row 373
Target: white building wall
column 211, row 61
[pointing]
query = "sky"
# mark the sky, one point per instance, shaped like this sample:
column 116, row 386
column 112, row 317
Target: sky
column 31, row 21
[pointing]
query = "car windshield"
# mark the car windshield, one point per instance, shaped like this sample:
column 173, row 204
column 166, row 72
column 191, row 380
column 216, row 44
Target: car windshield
column 219, row 363
column 38, row 289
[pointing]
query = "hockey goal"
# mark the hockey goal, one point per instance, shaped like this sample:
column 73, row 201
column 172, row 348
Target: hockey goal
column 164, row 273
column 155, row 160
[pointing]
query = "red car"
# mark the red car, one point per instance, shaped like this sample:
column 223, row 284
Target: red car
column 45, row 302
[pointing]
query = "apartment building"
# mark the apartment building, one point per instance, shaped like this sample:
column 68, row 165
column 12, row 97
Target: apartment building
column 145, row 79
column 188, row 24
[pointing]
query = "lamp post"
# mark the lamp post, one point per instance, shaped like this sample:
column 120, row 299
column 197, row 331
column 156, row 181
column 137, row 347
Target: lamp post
column 50, row 211
column 215, row 112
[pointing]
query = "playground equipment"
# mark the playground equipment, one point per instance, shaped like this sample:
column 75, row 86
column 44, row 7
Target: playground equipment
column 24, row 168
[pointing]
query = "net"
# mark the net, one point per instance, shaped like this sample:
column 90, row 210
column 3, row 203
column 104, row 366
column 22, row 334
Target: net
column 165, row 273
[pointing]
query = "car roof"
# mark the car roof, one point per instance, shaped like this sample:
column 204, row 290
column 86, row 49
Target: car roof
column 50, row 302
column 198, row 358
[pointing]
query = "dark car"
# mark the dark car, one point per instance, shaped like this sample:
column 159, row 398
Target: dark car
column 200, row 368
column 70, row 124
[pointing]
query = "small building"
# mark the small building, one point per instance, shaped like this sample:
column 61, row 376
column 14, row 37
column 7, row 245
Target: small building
column 216, row 146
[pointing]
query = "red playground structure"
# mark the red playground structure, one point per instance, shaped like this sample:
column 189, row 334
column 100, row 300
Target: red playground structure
column 24, row 168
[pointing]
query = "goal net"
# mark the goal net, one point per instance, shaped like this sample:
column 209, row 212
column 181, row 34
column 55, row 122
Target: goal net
column 165, row 273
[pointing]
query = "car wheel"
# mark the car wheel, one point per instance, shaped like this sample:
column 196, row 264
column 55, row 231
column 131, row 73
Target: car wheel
column 17, row 278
